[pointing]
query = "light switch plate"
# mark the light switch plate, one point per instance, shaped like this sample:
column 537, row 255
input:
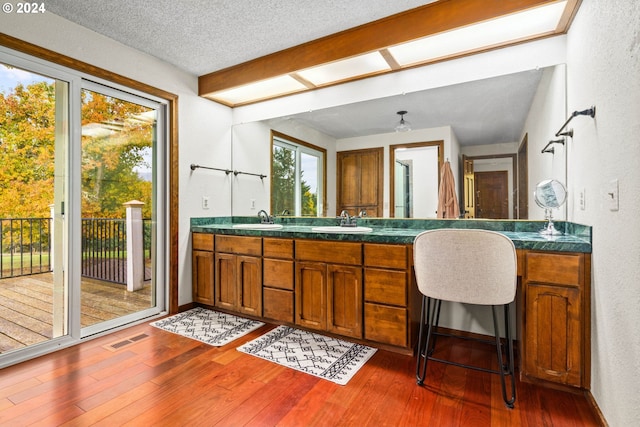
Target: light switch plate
column 612, row 195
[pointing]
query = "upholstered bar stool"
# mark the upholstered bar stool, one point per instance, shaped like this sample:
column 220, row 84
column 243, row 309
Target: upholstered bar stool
column 470, row 267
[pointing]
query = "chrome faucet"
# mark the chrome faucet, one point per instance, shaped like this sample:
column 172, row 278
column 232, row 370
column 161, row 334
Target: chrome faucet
column 346, row 220
column 265, row 218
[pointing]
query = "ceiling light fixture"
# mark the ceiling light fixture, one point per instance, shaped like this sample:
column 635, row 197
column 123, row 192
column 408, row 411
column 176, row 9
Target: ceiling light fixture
column 437, row 31
column 403, row 125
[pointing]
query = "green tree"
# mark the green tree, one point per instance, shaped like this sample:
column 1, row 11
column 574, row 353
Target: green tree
column 283, row 180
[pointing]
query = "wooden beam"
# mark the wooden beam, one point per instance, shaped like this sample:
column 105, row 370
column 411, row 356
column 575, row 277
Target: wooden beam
column 410, row 25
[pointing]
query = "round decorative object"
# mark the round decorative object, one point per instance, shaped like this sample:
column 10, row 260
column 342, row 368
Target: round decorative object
column 550, row 194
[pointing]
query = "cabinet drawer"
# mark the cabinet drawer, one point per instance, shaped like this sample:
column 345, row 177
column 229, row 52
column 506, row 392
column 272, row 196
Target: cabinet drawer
column 202, row 241
column 242, row 245
column 385, row 256
column 561, row 269
column 385, row 286
column 385, row 324
column 277, row 248
column 278, row 273
column 329, row 252
column 277, row 304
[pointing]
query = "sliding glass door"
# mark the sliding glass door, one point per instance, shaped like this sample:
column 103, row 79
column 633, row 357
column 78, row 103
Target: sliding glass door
column 118, row 209
column 82, row 206
column 34, row 119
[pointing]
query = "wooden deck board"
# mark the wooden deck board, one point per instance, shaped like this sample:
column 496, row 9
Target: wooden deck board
column 26, row 307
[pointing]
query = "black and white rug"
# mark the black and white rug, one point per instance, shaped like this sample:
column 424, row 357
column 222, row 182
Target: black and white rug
column 208, row 326
column 325, row 357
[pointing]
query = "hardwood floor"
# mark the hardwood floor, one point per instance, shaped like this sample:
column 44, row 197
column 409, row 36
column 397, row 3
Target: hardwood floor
column 26, row 307
column 168, row 380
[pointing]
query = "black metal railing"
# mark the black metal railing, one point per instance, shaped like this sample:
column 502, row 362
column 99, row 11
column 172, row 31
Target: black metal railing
column 104, row 249
column 25, row 246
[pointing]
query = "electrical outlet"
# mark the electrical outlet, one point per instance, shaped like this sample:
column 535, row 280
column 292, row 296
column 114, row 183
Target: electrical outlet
column 253, row 203
column 205, row 202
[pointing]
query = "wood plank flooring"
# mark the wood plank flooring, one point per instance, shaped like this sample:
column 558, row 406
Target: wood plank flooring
column 168, row 380
column 26, row 307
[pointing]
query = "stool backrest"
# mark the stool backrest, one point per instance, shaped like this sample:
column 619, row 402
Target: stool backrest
column 466, row 265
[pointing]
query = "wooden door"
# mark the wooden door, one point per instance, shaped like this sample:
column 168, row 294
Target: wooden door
column 311, row 295
column 202, row 263
column 348, row 168
column 492, row 194
column 249, row 285
column 344, row 300
column 359, row 181
column 469, row 188
column 523, row 180
column 370, row 171
column 225, row 281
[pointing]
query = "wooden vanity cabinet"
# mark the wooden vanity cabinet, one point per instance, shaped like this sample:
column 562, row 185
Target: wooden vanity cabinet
column 328, row 286
column 386, row 293
column 202, row 268
column 556, row 329
column 238, row 274
column 277, row 279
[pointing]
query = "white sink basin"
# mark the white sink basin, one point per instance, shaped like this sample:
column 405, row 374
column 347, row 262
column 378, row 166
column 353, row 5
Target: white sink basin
column 339, row 229
column 258, row 226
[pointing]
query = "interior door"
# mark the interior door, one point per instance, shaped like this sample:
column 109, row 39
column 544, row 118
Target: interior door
column 523, row 179
column 469, row 188
column 492, row 194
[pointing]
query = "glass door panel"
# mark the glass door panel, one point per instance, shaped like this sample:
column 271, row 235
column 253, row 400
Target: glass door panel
column 119, row 139
column 34, row 122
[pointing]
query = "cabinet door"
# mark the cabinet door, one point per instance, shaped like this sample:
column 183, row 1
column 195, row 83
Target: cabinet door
column 225, row 280
column 202, row 262
column 359, row 181
column 553, row 334
column 249, row 285
column 344, row 300
column 311, row 295
column 370, row 172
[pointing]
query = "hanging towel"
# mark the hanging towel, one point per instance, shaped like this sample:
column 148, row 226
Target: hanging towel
column 447, row 200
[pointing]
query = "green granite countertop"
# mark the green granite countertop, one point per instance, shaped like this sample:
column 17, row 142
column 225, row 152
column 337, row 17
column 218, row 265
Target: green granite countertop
column 524, row 234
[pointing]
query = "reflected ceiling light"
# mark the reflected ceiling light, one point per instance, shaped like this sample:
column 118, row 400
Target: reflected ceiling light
column 403, row 125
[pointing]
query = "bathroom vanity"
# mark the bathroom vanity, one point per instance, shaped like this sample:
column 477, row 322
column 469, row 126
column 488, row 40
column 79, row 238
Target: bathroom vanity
column 360, row 284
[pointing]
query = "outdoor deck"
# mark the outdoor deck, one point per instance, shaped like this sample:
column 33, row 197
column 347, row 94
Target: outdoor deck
column 26, row 307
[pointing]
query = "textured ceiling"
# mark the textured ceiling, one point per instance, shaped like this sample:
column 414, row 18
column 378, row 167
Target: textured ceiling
column 202, row 36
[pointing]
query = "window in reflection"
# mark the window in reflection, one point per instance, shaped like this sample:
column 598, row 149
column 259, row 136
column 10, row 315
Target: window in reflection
column 297, row 184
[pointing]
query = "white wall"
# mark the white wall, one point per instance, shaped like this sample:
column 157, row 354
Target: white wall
column 604, row 70
column 204, row 127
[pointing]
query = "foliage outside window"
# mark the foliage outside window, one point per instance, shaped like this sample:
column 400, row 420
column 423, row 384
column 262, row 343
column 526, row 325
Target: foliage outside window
column 297, row 183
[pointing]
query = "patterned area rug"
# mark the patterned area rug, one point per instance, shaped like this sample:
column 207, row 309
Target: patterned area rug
column 325, row 357
column 208, row 326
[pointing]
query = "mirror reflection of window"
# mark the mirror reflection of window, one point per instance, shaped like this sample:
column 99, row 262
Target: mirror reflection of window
column 297, row 184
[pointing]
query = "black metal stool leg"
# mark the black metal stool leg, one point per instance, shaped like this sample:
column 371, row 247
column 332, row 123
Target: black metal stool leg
column 501, row 367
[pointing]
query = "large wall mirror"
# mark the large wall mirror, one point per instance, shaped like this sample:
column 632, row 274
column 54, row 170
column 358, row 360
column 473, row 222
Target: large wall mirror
column 484, row 119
